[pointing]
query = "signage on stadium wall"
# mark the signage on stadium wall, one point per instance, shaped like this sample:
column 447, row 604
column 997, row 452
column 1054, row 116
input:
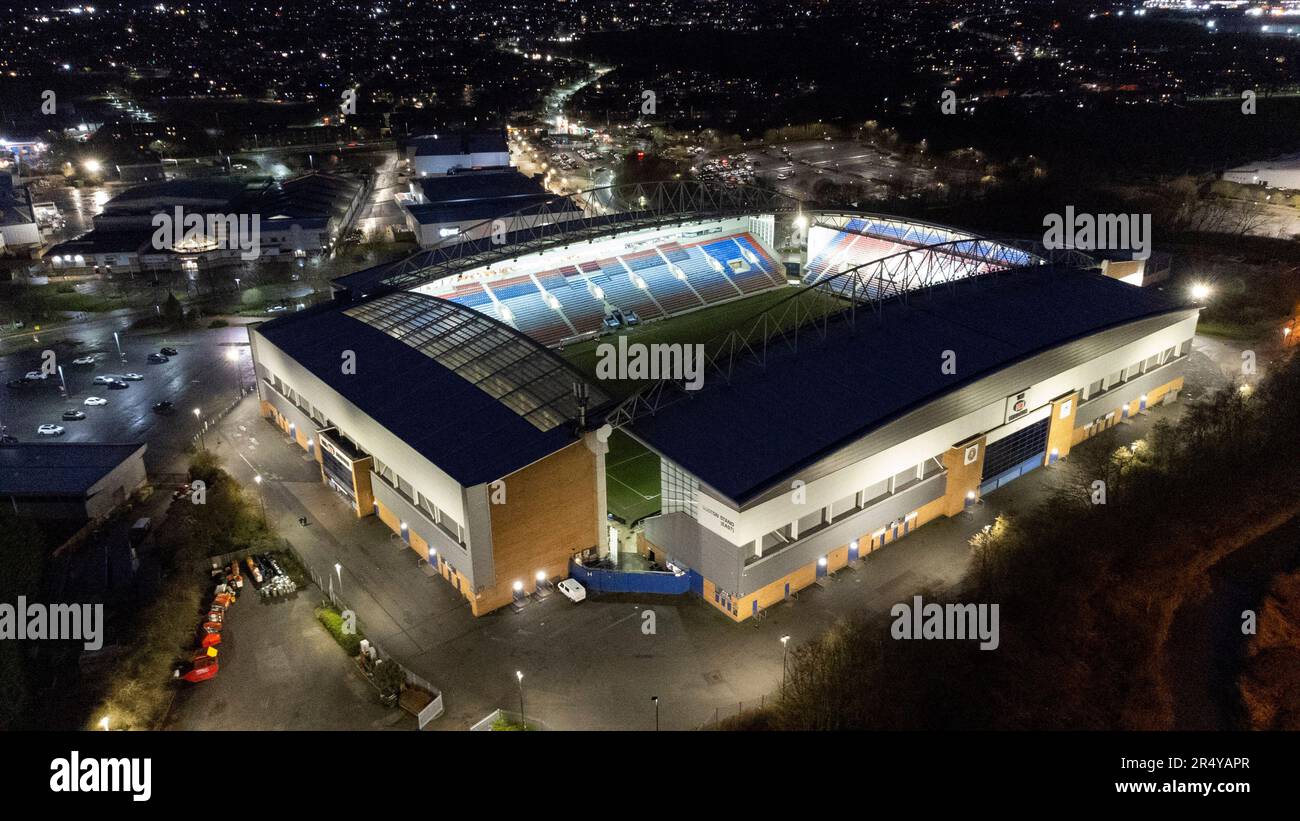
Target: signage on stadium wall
column 330, row 448
column 1017, row 405
column 717, row 518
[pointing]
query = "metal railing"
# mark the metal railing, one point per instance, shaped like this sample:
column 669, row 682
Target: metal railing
column 567, row 219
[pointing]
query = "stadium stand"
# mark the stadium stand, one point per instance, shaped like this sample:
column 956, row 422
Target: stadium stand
column 662, row 280
column 861, row 241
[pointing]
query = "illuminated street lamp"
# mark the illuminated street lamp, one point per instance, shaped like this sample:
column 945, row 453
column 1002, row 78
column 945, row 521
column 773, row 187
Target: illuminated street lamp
column 785, row 652
column 92, row 166
column 519, row 675
column 1200, row 292
column 103, row 723
column 199, row 416
column 257, row 480
column 232, row 356
column 655, row 699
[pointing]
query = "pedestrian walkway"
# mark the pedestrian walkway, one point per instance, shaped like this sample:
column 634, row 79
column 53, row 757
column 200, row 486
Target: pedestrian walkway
column 592, row 665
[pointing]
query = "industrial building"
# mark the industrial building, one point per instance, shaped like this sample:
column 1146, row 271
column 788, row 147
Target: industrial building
column 298, row 218
column 437, row 154
column 451, row 207
column 69, row 481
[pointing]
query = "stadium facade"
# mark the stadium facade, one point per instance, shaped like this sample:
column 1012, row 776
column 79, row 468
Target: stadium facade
column 435, row 394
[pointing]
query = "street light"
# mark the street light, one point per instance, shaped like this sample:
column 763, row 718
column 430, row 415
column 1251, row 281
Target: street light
column 103, row 723
column 257, row 480
column 519, row 674
column 1200, row 292
column 232, row 356
column 199, row 416
column 785, row 652
column 655, row 699
column 338, row 569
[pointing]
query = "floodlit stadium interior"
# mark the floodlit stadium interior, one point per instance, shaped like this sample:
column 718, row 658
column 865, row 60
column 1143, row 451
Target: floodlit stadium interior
column 862, row 376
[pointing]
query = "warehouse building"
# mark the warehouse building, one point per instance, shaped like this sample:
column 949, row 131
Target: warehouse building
column 69, row 481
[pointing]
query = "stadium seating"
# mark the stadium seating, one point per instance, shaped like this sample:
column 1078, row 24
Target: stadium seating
column 863, row 241
column 746, row 269
column 749, row 277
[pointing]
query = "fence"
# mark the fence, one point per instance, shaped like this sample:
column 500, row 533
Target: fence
column 517, row 719
column 434, row 708
column 211, row 420
column 625, row 581
column 733, row 710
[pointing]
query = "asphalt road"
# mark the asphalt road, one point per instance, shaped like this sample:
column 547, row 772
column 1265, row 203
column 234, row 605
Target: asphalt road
column 280, row 670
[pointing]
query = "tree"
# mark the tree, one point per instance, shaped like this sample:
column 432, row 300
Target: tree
column 173, row 312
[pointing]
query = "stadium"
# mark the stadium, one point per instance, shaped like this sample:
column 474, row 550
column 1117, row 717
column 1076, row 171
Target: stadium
column 863, row 375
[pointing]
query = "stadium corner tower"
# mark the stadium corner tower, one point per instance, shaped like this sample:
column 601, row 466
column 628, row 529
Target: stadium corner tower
column 865, row 375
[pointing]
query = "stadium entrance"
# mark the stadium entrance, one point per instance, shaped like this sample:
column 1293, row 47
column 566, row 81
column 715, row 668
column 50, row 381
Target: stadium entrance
column 1012, row 457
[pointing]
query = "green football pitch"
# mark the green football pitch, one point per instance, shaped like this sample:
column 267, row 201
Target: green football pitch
column 631, row 479
column 632, row 471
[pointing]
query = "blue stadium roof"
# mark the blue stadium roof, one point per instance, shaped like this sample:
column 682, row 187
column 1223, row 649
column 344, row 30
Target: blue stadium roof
column 744, row 436
column 471, row 395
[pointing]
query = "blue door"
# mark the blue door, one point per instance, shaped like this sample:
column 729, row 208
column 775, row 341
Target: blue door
column 787, row 590
column 821, row 568
column 853, row 551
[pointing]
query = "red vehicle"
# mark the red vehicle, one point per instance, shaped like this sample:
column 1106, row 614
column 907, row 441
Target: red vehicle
column 208, row 637
column 202, row 667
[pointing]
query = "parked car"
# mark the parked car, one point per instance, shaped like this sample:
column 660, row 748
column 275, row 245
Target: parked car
column 117, row 385
column 572, row 590
column 84, row 360
column 36, row 376
column 168, row 351
column 164, row 408
column 73, row 415
column 104, row 379
column 95, row 401
column 157, row 358
column 132, row 377
column 6, row 439
column 50, row 430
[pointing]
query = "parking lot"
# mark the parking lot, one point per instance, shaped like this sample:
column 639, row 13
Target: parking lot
column 794, row 168
column 280, row 670
column 202, row 375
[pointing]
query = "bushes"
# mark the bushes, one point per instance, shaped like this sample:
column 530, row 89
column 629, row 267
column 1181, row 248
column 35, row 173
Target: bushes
column 1088, row 593
column 218, row 323
column 333, row 622
column 389, row 678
